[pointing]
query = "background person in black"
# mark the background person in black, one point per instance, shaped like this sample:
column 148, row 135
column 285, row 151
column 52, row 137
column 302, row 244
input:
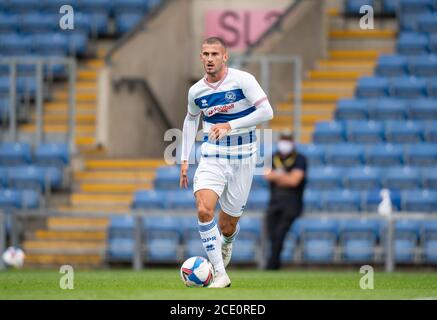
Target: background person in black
column 287, row 183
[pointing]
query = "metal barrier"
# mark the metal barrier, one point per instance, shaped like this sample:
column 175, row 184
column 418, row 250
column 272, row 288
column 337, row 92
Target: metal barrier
column 39, row 64
column 265, row 62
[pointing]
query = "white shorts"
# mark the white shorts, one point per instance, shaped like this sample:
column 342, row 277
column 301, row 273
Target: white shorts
column 230, row 179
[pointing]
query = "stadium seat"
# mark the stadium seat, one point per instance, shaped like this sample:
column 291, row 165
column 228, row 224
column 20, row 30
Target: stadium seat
column 121, row 227
column 167, row 177
column 423, row 109
column 346, row 154
column 131, row 6
column 52, row 154
column 289, row 248
column 312, row 200
column 423, row 66
column 15, row 153
column 408, row 87
column 412, row 43
column 258, row 199
column 314, row 153
column 351, row 109
column 149, row 199
column 372, row 87
column 15, row 44
column 78, row 42
column 352, row 7
column 358, row 238
column 325, row 177
column 431, row 131
column 390, row 7
column 8, row 23
column 95, row 6
column 120, row 250
column 372, row 198
column 40, row 22
column 392, row 65
column 11, row 199
column 427, row 22
column 407, row 234
column 429, row 178
column 318, row 238
column 401, row 178
column 162, row 237
column 181, row 199
column 429, row 241
column 384, row 155
column 419, row 200
column 432, row 43
column 365, row 131
column 363, row 178
column 329, row 132
column 388, row 109
column 415, row 6
column 422, row 154
column 341, row 200
column 259, row 182
column 34, row 177
column 246, row 245
column 126, row 21
column 50, row 44
column 404, row 131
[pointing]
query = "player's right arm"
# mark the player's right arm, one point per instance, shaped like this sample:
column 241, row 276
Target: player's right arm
column 189, row 132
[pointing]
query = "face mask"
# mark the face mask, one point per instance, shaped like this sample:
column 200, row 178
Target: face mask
column 285, row 147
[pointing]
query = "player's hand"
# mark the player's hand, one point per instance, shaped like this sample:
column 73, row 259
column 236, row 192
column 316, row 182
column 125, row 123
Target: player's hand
column 218, row 131
column 270, row 175
column 183, row 182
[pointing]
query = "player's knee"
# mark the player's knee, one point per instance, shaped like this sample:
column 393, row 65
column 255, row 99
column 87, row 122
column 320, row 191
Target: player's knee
column 205, row 213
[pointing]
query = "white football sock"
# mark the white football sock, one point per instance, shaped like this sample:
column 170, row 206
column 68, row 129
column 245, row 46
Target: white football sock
column 231, row 238
column 211, row 241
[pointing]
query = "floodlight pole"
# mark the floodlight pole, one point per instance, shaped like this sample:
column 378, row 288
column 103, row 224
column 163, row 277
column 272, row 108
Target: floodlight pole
column 389, row 259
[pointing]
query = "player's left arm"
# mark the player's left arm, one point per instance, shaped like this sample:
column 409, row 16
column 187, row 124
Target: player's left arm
column 256, row 95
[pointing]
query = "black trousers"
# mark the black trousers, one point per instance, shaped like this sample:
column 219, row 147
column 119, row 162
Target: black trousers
column 280, row 217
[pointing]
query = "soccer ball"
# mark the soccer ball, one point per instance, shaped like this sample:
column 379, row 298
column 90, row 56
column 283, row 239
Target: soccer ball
column 197, row 272
column 13, row 257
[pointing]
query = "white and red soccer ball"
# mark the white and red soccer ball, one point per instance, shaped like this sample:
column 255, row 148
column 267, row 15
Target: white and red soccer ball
column 197, row 272
column 13, row 257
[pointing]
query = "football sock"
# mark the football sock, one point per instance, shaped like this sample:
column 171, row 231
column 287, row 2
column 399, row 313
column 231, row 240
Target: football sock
column 211, row 241
column 231, row 238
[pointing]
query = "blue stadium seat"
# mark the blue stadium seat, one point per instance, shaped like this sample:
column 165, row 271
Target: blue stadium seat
column 318, row 238
column 50, row 44
column 353, row 6
column 412, row 43
column 341, row 200
column 120, row 250
column 391, row 65
column 181, row 199
column 429, row 178
column 259, row 182
column 325, row 177
column 363, row 131
column 372, row 199
column 289, row 248
column 14, row 153
column 408, row 22
column 372, row 87
column 351, row 109
column 127, row 21
column 314, row 153
column 78, row 42
column 408, row 87
column 358, row 238
column 131, row 6
column 95, row 6
column 162, row 237
column 8, row 23
column 247, row 243
column 19, row 199
column 24, row 5
column 427, row 22
column 404, row 131
column 401, row 178
column 390, row 6
column 432, row 43
column 121, row 227
column 384, row 155
column 431, row 131
column 423, row 154
column 258, row 199
column 149, row 199
column 34, row 177
column 312, row 200
column 423, row 109
column 419, row 200
column 167, row 178
column 363, row 178
column 406, row 239
column 388, row 109
column 346, row 154
column 329, row 132
column 52, row 154
column 15, row 44
column 423, row 66
column 40, row 22
column 432, row 87
column 415, row 6
column 429, row 241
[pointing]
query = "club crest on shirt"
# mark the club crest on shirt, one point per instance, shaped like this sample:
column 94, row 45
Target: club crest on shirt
column 204, row 102
column 230, row 96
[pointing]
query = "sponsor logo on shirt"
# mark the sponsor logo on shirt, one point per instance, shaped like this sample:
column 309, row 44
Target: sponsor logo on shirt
column 217, row 109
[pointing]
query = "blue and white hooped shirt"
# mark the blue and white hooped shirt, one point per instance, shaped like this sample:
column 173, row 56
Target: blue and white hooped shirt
column 236, row 95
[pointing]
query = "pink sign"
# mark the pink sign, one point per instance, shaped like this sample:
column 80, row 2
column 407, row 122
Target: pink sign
column 240, row 27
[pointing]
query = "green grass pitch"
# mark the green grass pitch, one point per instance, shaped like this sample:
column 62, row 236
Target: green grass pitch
column 155, row 283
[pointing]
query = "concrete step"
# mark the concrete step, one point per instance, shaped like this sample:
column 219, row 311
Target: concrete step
column 305, row 119
column 309, row 108
column 64, row 118
column 64, row 247
column 94, row 63
column 340, row 87
column 87, row 97
column 87, row 75
column 326, row 97
column 322, row 75
column 86, row 209
column 362, row 34
column 77, row 223
column 360, row 55
column 346, row 65
column 60, row 128
column 123, row 164
column 83, row 107
column 113, row 176
column 113, row 188
column 104, row 199
column 70, row 235
column 55, row 260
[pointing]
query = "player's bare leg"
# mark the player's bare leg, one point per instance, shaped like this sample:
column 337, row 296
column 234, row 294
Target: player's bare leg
column 229, row 227
column 206, row 201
